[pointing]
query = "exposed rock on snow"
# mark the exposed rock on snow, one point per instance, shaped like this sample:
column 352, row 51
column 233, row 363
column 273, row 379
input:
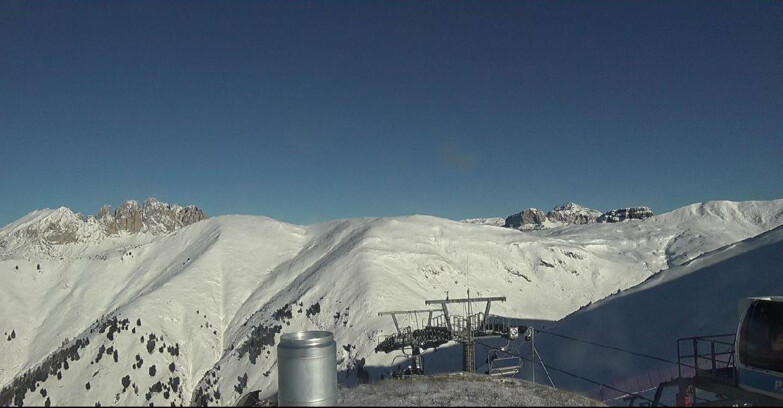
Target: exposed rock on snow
column 531, row 216
column 566, row 214
column 55, row 233
column 493, row 221
column 154, row 216
column 622, row 214
column 47, row 227
column 572, row 213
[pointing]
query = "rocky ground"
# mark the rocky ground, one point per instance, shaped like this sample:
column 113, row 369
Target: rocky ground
column 458, row 389
column 449, row 390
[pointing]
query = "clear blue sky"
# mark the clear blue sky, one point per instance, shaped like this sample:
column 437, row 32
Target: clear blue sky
column 310, row 111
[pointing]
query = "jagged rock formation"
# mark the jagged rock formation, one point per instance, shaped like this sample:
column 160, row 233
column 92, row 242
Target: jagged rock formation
column 531, row 216
column 572, row 213
column 51, row 230
column 153, row 216
column 106, row 220
column 128, row 217
column 569, row 213
column 622, row 214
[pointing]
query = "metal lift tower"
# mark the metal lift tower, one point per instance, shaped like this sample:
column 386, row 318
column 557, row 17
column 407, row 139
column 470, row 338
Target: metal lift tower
column 465, row 329
column 448, row 326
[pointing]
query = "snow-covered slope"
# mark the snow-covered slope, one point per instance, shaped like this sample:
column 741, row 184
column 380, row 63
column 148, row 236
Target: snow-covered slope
column 699, row 298
column 205, row 304
column 677, row 236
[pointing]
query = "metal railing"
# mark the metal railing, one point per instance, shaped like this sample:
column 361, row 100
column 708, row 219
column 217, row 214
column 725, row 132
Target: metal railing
column 480, row 325
column 706, row 356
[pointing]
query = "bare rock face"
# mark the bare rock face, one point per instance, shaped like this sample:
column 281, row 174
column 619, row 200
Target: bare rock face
column 128, row 217
column 191, row 214
column 572, row 213
column 623, row 214
column 106, row 220
column 103, row 212
column 162, row 217
column 153, row 216
column 531, row 216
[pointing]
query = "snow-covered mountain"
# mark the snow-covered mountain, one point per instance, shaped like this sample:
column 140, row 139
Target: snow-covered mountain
column 61, row 232
column 568, row 214
column 572, row 213
column 193, row 315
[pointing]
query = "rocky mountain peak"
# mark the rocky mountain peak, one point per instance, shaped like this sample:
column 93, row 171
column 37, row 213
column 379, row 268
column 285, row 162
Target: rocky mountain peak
column 572, row 213
column 529, row 217
column 568, row 206
column 46, row 230
column 152, row 216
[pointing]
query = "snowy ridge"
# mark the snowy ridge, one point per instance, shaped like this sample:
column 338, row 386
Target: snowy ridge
column 696, row 299
column 493, row 221
column 211, row 299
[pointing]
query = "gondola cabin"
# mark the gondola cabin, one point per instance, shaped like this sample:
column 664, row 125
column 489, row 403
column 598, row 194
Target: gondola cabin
column 759, row 346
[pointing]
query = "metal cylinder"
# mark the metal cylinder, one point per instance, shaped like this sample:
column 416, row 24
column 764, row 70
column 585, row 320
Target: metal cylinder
column 307, row 369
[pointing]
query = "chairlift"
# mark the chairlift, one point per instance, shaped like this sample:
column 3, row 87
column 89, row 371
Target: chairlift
column 504, row 362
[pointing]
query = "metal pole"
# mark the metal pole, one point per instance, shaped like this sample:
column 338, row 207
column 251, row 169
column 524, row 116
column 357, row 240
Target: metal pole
column 533, row 351
column 545, row 370
column 486, row 315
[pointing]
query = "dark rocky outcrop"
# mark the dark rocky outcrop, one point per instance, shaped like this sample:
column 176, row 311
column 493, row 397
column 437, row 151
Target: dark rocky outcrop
column 569, row 213
column 531, row 216
column 572, row 213
column 623, row 214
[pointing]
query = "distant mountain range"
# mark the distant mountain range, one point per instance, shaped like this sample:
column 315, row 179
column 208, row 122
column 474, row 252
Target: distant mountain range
column 173, row 309
column 48, row 231
column 566, row 214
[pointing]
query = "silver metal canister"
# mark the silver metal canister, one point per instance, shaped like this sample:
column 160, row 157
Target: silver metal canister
column 307, row 369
